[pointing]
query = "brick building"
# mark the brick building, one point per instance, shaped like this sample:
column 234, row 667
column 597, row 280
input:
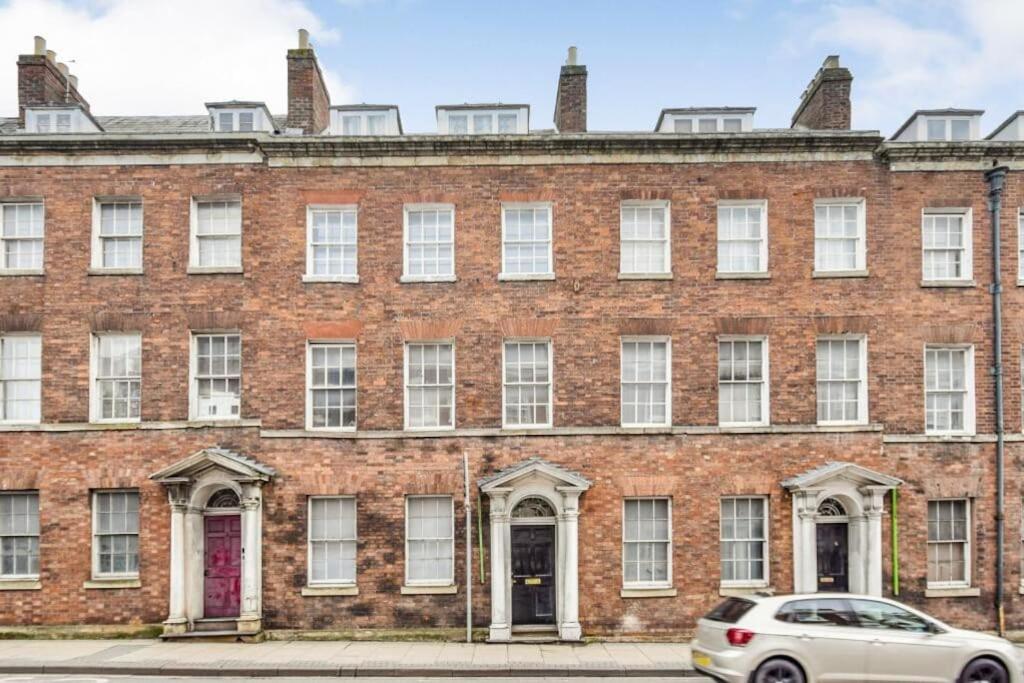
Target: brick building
column 244, row 356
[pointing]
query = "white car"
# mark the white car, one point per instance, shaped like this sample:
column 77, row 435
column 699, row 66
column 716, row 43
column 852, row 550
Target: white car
column 842, row 638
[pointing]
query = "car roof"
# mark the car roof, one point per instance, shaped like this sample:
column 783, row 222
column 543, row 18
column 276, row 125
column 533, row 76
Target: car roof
column 770, row 600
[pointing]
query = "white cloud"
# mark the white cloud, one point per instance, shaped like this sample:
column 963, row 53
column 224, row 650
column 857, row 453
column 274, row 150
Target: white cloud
column 917, row 54
column 161, row 57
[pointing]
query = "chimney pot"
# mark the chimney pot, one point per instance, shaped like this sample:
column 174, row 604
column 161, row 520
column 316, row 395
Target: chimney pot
column 571, row 60
column 74, row 81
column 63, row 68
column 831, row 62
column 52, row 56
column 40, row 45
column 303, row 39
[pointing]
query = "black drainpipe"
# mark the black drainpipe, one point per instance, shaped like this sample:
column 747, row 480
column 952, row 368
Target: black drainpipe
column 995, row 178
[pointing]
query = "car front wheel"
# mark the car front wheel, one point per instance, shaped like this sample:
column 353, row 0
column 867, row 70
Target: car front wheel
column 984, row 670
column 783, row 671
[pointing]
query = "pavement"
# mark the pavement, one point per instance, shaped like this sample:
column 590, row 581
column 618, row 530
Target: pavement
column 303, row 658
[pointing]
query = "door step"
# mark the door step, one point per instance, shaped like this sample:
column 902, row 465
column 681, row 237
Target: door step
column 219, row 624
column 535, row 633
column 208, row 636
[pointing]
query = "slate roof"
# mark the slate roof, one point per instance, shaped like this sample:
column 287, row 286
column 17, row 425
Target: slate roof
column 144, row 124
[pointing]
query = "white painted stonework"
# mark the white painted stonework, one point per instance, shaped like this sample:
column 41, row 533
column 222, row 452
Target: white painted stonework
column 561, row 489
column 861, row 492
column 190, row 484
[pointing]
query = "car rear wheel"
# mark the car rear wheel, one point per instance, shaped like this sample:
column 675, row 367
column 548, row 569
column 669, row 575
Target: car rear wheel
column 984, row 670
column 779, row 671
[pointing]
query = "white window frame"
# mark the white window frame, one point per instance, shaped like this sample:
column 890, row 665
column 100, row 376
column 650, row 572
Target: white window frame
column 193, row 377
column 4, row 337
column 765, row 558
column 310, row 581
column 860, row 260
column 450, row 581
column 310, row 276
column 667, row 340
column 862, row 390
column 38, row 536
column 406, row 277
column 550, row 273
column 95, row 399
column 947, row 122
column 550, row 382
column 967, row 269
column 763, row 248
column 97, row 237
column 765, row 378
column 1020, row 252
column 652, row 204
column 647, row 585
column 670, row 122
column 405, row 385
column 968, row 545
column 445, row 114
column 4, row 270
column 969, row 397
column 310, row 345
column 95, row 569
column 193, row 248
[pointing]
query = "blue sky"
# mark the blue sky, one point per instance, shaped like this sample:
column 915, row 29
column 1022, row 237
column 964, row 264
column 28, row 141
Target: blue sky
column 642, row 55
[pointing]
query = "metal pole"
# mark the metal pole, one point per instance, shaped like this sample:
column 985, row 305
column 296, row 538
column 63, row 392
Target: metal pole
column 469, row 551
column 995, row 178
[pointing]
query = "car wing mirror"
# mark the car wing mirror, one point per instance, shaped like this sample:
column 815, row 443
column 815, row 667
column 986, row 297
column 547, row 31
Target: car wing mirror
column 934, row 629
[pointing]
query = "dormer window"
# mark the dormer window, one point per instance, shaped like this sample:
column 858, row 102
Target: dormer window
column 483, row 120
column 240, row 117
column 365, row 120
column 941, row 125
column 724, row 120
column 50, row 120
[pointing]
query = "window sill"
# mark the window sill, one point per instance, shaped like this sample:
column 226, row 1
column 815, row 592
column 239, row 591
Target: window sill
column 963, row 592
column 744, row 591
column 18, row 272
column 648, row 593
column 743, row 276
column 451, row 589
column 520, row 277
column 115, row 271
column 411, row 279
column 645, row 276
column 111, row 584
column 825, row 274
column 214, row 270
column 949, row 283
column 25, row 584
column 323, row 591
column 115, row 423
column 343, row 279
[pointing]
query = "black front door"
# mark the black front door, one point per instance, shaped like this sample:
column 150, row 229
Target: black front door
column 533, row 575
column 832, row 558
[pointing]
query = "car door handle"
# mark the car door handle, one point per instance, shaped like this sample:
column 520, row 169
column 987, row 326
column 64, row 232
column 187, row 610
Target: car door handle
column 805, row 636
column 878, row 642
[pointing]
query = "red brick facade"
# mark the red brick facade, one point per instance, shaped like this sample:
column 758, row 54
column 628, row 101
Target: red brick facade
column 585, row 311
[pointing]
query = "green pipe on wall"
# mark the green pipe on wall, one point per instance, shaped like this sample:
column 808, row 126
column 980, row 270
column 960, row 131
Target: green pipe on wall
column 894, row 517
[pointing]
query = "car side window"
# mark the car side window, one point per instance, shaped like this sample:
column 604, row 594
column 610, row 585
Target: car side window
column 817, row 612
column 882, row 615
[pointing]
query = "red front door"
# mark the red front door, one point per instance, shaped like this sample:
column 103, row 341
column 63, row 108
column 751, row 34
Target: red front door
column 222, row 583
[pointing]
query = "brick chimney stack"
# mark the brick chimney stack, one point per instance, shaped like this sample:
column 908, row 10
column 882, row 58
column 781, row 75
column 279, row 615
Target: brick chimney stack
column 308, row 100
column 571, row 99
column 825, row 104
column 42, row 81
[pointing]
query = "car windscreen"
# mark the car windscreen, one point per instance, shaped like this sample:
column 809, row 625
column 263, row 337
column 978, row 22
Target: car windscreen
column 730, row 610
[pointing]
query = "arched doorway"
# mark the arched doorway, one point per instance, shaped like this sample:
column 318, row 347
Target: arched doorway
column 222, row 556
column 532, row 559
column 833, row 545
